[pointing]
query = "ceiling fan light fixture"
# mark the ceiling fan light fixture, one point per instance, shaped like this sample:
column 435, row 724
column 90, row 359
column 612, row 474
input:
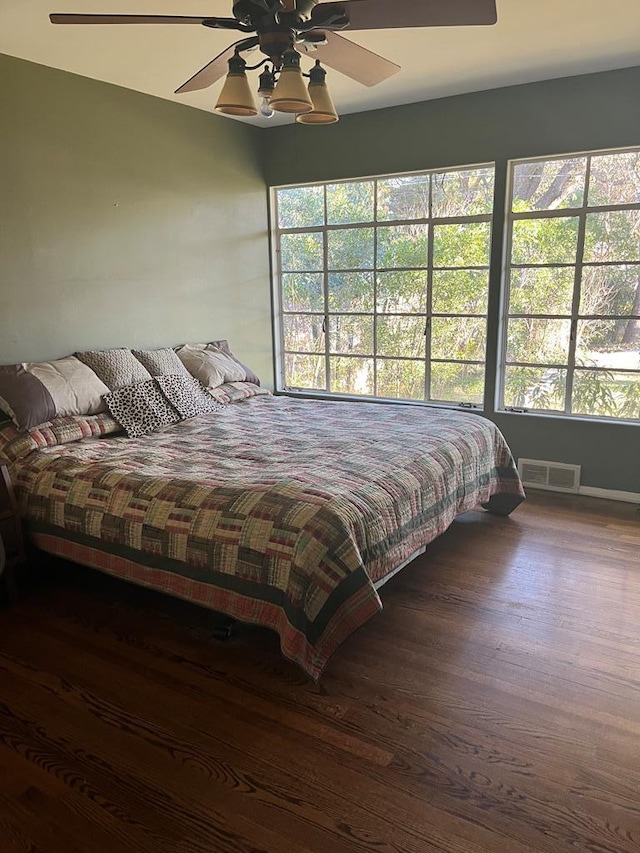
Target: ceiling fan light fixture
column 275, row 26
column 236, row 97
column 290, row 94
column 324, row 111
column 265, row 92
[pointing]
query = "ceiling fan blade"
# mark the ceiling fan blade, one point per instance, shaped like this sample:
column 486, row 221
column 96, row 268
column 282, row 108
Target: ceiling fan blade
column 214, row 70
column 382, row 15
column 136, row 19
column 355, row 61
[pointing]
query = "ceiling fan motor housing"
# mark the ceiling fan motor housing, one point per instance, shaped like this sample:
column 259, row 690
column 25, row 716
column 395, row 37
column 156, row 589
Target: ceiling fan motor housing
column 276, row 24
column 253, row 11
column 244, row 10
column 303, row 10
column 275, row 40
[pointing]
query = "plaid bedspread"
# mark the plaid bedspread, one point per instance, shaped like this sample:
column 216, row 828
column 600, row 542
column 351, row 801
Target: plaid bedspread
column 275, row 511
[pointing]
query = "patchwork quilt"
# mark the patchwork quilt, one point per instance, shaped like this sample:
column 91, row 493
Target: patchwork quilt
column 278, row 512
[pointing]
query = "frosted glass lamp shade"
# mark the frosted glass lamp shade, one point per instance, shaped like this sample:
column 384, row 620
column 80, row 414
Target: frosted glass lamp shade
column 236, row 97
column 323, row 112
column 290, row 94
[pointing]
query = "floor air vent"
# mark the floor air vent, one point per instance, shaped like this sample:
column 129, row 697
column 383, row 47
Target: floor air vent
column 554, row 476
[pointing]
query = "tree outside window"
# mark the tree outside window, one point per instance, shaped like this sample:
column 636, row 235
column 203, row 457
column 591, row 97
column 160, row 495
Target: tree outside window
column 572, row 332
column 384, row 285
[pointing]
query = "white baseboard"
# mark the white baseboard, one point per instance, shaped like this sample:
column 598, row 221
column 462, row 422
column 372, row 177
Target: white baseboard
column 610, row 494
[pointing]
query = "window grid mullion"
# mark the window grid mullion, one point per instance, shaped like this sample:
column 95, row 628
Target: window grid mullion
column 389, row 223
column 471, row 268
column 567, row 265
column 375, row 290
column 578, row 368
column 428, row 325
column 560, row 212
column 409, row 358
column 501, row 379
column 282, row 368
column 577, row 283
column 440, row 314
column 579, row 316
column 325, row 242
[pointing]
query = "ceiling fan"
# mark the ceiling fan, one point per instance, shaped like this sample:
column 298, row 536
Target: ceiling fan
column 282, row 29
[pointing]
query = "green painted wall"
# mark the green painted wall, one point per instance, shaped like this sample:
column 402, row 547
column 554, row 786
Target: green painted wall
column 125, row 220
column 557, row 116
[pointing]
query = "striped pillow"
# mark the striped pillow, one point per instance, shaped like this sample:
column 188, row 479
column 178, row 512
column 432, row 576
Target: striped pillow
column 15, row 445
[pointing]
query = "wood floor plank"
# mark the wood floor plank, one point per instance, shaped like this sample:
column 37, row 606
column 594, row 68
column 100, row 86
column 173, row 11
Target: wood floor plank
column 37, row 803
column 307, row 764
column 491, row 708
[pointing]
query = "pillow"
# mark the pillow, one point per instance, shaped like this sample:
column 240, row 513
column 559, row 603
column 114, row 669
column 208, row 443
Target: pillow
column 117, row 368
column 34, row 392
column 161, row 362
column 237, row 391
column 15, row 445
column 75, row 388
column 66, row 429
column 210, row 366
column 224, row 347
column 187, row 395
column 234, row 392
column 141, row 408
column 24, row 398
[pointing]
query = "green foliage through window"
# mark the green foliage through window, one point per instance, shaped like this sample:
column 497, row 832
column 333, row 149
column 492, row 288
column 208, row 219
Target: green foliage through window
column 384, row 285
column 572, row 336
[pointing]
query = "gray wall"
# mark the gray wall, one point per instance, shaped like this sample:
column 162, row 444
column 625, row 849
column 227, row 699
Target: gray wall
column 125, row 220
column 571, row 114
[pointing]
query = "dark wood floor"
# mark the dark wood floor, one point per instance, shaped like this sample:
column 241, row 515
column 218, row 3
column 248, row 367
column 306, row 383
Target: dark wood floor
column 494, row 707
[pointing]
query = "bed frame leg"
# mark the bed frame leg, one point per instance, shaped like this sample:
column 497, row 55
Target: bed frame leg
column 502, row 504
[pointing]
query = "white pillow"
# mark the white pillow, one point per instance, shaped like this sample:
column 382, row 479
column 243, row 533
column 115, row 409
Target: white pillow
column 211, row 367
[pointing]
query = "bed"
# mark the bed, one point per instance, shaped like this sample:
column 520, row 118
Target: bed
column 281, row 512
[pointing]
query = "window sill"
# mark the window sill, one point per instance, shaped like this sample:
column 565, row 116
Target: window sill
column 559, row 416
column 455, row 407
column 358, row 398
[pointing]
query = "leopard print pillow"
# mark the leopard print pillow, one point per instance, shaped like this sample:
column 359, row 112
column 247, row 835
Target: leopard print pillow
column 187, row 395
column 141, row 408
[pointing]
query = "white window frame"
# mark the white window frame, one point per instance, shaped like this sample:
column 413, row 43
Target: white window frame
column 578, row 266
column 430, row 222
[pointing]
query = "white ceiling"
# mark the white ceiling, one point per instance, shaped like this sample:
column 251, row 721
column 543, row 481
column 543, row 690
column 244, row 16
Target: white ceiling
column 533, row 40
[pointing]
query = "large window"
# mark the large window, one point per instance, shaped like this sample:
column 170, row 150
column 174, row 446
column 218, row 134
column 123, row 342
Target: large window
column 572, row 319
column 383, row 284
